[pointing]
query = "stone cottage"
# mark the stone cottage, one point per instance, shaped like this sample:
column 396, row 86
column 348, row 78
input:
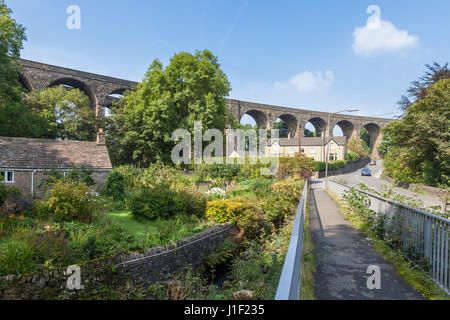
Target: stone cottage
column 23, row 161
column 312, row 147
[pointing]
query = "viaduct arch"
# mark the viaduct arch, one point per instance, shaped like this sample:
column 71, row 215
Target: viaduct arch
column 102, row 90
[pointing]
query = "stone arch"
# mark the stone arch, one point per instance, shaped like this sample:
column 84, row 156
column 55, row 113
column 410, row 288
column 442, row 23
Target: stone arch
column 115, row 95
column 375, row 137
column 25, row 82
column 74, row 83
column 291, row 123
column 319, row 124
column 259, row 117
column 346, row 126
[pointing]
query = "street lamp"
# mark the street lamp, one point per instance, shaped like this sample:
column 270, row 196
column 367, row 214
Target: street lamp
column 327, row 144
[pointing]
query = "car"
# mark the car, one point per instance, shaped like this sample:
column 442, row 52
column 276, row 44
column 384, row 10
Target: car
column 373, row 163
column 366, row 172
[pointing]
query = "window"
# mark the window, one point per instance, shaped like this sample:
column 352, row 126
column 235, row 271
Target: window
column 292, row 151
column 8, row 176
column 332, row 145
column 312, row 150
column 333, row 156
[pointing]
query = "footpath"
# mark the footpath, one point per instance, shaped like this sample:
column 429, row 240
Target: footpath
column 343, row 255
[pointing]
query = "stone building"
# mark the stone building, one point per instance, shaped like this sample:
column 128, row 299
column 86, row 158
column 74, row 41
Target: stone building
column 23, row 161
column 313, row 147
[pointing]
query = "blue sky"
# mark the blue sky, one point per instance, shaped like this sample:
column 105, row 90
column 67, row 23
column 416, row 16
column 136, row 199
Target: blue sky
column 317, row 55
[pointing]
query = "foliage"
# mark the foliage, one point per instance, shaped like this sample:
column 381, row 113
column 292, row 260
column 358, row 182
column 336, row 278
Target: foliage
column 216, row 193
column 12, row 109
column 68, row 202
column 68, row 113
column 52, row 248
column 350, row 156
column 115, row 186
column 159, row 201
column 223, row 211
column 422, row 137
column 297, row 166
column 357, row 145
column 76, row 175
column 16, row 258
column 191, row 88
column 418, row 89
column 320, row 166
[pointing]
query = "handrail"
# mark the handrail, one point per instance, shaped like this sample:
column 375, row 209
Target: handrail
column 424, row 235
column 290, row 280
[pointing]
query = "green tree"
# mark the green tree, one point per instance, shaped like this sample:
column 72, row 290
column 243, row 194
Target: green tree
column 68, row 113
column 423, row 135
column 16, row 119
column 191, row 88
column 357, row 145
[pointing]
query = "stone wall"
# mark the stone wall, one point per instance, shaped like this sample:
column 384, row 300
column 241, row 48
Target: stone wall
column 351, row 166
column 140, row 268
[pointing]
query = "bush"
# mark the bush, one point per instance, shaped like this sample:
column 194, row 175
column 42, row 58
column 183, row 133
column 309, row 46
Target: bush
column 252, row 222
column 260, row 187
column 223, row 211
column 320, row 166
column 358, row 146
column 159, row 201
column 14, row 205
column 192, row 201
column 52, row 247
column 68, row 202
column 283, row 200
column 115, row 186
column 352, row 156
column 297, row 166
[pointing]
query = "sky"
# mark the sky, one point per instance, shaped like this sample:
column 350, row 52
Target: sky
column 316, row 55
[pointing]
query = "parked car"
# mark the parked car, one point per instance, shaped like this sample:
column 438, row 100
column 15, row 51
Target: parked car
column 366, row 172
column 373, row 163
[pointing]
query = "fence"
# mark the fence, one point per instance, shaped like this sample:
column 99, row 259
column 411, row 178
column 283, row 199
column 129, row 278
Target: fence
column 290, row 281
column 424, row 236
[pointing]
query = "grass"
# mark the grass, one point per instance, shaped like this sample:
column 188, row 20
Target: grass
column 416, row 278
column 129, row 224
column 308, row 263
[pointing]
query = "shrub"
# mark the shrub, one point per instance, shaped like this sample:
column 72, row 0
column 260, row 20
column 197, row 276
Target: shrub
column 53, row 248
column 252, row 222
column 352, row 156
column 283, row 200
column 358, row 146
column 192, row 201
column 223, row 211
column 115, row 186
column 69, row 201
column 260, row 186
column 297, row 166
column 159, row 201
column 14, row 205
column 216, row 193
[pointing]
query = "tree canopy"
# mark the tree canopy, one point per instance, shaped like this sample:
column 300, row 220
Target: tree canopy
column 191, row 88
column 421, row 140
column 68, row 113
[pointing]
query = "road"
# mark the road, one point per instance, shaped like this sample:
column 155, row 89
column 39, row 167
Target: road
column 375, row 182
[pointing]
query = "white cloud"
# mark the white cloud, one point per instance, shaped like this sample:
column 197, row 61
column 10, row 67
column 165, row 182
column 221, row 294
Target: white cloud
column 308, row 81
column 380, row 36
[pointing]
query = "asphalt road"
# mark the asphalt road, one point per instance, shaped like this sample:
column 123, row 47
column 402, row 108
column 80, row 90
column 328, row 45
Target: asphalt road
column 375, row 182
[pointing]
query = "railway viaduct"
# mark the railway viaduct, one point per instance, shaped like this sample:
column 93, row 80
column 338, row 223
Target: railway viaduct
column 103, row 90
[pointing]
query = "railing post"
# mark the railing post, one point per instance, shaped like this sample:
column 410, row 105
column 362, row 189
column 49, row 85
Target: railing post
column 428, row 239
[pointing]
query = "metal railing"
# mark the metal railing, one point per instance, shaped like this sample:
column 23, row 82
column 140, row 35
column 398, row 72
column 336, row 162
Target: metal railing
column 423, row 235
column 290, row 281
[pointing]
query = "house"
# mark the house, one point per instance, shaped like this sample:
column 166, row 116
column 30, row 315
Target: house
column 23, row 161
column 313, row 147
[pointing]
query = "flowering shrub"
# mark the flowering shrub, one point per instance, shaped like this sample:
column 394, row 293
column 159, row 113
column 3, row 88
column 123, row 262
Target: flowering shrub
column 10, row 221
column 216, row 193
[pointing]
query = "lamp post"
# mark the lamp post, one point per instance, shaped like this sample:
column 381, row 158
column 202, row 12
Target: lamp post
column 327, row 142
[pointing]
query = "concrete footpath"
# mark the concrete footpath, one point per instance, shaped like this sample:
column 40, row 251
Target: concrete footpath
column 343, row 255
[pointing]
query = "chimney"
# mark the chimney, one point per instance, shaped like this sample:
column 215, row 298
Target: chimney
column 101, row 140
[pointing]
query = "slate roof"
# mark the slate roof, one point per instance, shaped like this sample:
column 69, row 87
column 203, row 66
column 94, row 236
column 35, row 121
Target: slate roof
column 307, row 141
column 23, row 153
